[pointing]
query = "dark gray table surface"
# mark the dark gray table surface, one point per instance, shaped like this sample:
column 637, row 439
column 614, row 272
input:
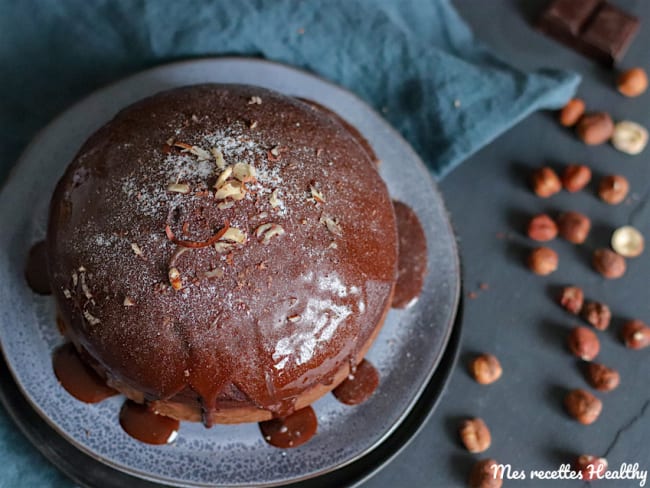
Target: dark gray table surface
column 517, row 318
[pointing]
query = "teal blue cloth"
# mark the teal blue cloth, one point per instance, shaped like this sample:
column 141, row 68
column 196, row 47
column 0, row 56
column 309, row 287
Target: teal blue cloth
column 415, row 61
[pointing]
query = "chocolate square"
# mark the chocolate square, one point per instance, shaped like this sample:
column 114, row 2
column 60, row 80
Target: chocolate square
column 609, row 34
column 565, row 18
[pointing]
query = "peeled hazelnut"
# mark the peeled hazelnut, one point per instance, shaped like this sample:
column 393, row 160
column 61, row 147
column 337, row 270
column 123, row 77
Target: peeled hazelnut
column 627, row 241
column 583, row 406
column 574, row 227
column 597, row 314
column 608, row 263
column 571, row 112
column 576, row 177
column 584, row 343
column 629, row 137
column 613, row 189
column 543, row 261
column 475, row 435
column 546, row 182
column 485, row 474
column 542, row 228
column 591, row 467
column 632, row 82
column 571, row 299
column 595, row 128
column 601, row 377
column 635, row 334
column 486, row 369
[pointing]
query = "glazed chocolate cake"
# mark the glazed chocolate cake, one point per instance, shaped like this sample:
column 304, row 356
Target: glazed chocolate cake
column 223, row 252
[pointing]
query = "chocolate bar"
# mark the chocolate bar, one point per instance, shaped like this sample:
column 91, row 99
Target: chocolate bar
column 594, row 28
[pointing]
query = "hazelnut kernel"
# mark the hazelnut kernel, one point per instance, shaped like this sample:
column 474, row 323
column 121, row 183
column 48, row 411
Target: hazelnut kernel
column 542, row 228
column 627, row 241
column 486, row 369
column 632, row 82
column 608, row 263
column 485, row 474
column 571, row 112
column 635, row 334
column 571, row 299
column 584, row 343
column 576, row 177
column 613, row 189
column 601, row 377
column 546, row 182
column 597, row 314
column 543, row 261
column 591, row 467
column 629, row 137
column 583, row 406
column 595, row 128
column 574, row 227
column 475, row 435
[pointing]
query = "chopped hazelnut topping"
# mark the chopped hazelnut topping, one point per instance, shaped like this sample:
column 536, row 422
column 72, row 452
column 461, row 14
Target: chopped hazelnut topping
column 268, row 231
column 128, row 302
column 225, row 205
column 223, row 247
column 75, row 279
column 275, row 151
column 92, row 320
column 333, row 245
column 244, row 172
column 223, row 177
column 316, row 195
column 183, row 188
column 136, row 249
column 231, row 189
column 82, row 269
column 214, row 273
column 201, row 154
column 218, row 157
column 84, row 286
column 253, row 124
column 233, row 234
column 255, row 101
column 67, row 294
column 194, row 118
column 175, row 278
column 331, row 224
column 273, row 200
column 170, row 141
column 294, row 318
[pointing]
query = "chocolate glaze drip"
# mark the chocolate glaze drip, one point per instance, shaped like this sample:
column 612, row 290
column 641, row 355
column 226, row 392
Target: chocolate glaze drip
column 292, row 430
column 36, row 269
column 359, row 386
column 412, row 263
column 143, row 424
column 79, row 379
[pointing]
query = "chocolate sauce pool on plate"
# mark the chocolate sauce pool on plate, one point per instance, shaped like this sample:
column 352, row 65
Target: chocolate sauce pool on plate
column 292, row 430
column 36, row 269
column 145, row 425
column 412, row 263
column 359, row 386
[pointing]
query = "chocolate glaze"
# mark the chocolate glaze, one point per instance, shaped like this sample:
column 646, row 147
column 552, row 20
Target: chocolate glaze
column 270, row 320
column 36, row 269
column 79, row 379
column 359, row 386
column 292, row 430
column 412, row 267
column 143, row 424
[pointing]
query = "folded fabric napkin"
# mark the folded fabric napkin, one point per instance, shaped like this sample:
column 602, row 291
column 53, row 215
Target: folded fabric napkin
column 414, row 60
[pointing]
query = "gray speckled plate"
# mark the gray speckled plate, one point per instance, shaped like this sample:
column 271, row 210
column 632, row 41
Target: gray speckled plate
column 406, row 352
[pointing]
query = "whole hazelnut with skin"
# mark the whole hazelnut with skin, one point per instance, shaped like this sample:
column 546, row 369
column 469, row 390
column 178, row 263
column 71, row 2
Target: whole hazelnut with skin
column 571, row 299
column 542, row 228
column 632, row 82
column 601, row 377
column 595, row 128
column 576, row 177
column 583, row 406
column 546, row 182
column 635, row 334
column 597, row 314
column 591, row 467
column 584, row 343
column 613, row 189
column 543, row 261
column 574, row 227
column 609, row 264
column 475, row 435
column 486, row 369
column 571, row 112
column 485, row 474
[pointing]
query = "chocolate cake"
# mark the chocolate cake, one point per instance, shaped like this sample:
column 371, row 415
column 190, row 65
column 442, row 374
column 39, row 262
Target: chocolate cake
column 223, row 253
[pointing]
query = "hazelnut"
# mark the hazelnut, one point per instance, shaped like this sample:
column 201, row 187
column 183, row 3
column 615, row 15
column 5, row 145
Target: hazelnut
column 583, row 406
column 595, row 128
column 597, row 314
column 546, row 182
column 571, row 299
column 632, row 82
column 485, row 474
column 627, row 241
column 584, row 343
column 486, row 369
column 635, row 334
column 571, row 112
column 629, row 137
column 576, row 177
column 601, row 377
column 475, row 435
column 542, row 228
column 574, row 226
column 608, row 263
column 543, row 261
column 591, row 467
column 613, row 189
